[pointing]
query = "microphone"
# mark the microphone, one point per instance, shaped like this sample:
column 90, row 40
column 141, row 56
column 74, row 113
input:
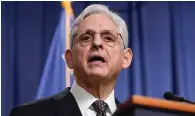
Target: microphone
column 172, row 96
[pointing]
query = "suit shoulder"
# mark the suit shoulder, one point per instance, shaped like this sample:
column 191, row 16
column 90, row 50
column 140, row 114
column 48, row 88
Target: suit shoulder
column 47, row 100
column 38, row 102
column 32, row 107
column 41, row 106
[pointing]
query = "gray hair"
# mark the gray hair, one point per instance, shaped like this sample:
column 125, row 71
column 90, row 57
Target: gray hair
column 98, row 8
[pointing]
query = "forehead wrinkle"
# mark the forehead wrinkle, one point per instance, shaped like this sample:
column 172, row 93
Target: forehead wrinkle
column 103, row 29
column 98, row 29
column 97, row 25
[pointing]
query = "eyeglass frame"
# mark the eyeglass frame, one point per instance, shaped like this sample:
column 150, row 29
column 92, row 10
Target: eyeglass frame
column 100, row 35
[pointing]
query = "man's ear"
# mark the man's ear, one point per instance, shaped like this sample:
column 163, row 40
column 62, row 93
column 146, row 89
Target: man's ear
column 127, row 58
column 68, row 57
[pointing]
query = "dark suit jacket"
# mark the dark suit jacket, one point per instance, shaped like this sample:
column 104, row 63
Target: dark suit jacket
column 61, row 104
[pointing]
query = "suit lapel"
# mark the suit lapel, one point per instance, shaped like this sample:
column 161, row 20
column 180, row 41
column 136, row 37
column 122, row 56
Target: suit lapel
column 66, row 105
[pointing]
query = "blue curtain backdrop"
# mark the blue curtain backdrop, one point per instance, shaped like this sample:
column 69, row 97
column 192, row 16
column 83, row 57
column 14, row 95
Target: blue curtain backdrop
column 162, row 37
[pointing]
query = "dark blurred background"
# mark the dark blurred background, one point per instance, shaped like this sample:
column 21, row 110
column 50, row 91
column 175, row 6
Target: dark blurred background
column 162, row 37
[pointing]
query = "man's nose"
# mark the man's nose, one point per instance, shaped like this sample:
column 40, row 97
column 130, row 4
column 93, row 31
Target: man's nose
column 97, row 41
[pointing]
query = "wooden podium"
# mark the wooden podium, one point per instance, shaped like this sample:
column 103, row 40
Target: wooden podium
column 146, row 106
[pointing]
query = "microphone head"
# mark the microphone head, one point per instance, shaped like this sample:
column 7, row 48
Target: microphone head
column 168, row 95
column 171, row 96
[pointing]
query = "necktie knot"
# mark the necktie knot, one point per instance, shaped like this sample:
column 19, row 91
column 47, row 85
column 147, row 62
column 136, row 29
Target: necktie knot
column 100, row 107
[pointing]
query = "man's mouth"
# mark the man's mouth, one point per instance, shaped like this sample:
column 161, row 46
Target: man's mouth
column 96, row 58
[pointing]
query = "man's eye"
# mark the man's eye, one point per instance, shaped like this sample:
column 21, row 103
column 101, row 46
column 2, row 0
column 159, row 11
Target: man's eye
column 108, row 38
column 86, row 38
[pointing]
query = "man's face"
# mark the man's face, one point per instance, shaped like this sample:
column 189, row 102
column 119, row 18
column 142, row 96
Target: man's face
column 97, row 60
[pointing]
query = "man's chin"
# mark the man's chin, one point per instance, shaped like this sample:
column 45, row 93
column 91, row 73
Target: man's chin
column 98, row 75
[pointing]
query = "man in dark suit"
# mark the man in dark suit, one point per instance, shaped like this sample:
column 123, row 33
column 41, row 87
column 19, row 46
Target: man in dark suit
column 99, row 51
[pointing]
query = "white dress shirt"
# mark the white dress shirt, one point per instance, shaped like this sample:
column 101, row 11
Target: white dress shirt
column 85, row 100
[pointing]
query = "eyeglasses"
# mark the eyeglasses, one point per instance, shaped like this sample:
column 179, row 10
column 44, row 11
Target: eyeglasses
column 86, row 38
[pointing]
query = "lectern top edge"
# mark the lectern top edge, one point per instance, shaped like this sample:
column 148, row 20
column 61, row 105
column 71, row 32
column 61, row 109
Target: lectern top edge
column 161, row 103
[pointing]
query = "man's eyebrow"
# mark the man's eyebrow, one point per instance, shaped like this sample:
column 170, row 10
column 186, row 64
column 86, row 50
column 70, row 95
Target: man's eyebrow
column 102, row 31
column 89, row 30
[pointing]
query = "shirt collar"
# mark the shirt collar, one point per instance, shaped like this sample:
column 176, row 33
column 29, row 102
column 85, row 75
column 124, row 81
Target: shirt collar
column 85, row 99
column 111, row 102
